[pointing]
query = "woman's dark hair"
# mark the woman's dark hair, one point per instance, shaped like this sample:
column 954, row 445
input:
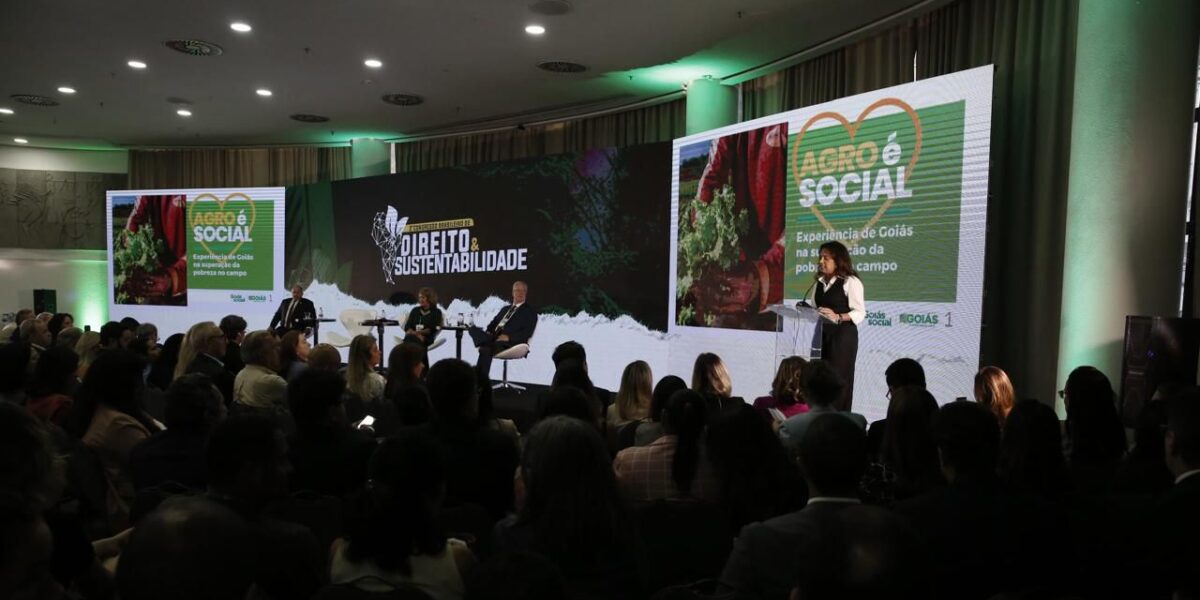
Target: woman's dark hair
column 571, row 372
column 163, row 369
column 1031, row 458
column 231, row 326
column 396, row 516
column 571, row 499
column 310, row 396
column 190, row 402
column 114, row 379
column 1093, row 425
column 841, row 258
column 55, row 324
column 757, row 480
column 908, row 446
column 787, row 388
column 54, row 372
column 569, row 401
column 666, row 387
column 453, row 391
column 287, row 351
column 401, row 361
column 685, row 418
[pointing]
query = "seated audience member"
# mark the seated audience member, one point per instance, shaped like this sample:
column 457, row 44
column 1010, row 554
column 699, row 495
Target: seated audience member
column 1175, row 522
column 480, row 462
column 68, row 337
column 188, row 548
column 361, row 378
column 1031, row 458
column 1145, row 468
column 58, row 323
column 651, row 428
column 13, row 373
column 247, row 463
column 193, row 407
column 711, row 380
column 393, row 539
column 823, row 388
column 488, row 418
column 108, row 417
column 756, row 480
column 572, row 373
column 405, row 368
column 764, row 560
column 572, row 350
column 994, row 390
column 907, row 464
column 516, row 576
column 234, row 328
column 163, row 369
column 33, row 333
column 902, row 372
column 293, row 354
column 570, row 401
column 1095, row 436
column 257, row 388
column 675, row 464
column 21, row 316
column 146, row 332
column 633, row 397
column 786, row 395
column 50, row 390
column 864, row 552
column 88, row 348
column 406, row 400
column 982, row 540
column 31, row 480
column 572, row 513
column 202, row 349
column 324, row 357
column 115, row 336
column 328, row 456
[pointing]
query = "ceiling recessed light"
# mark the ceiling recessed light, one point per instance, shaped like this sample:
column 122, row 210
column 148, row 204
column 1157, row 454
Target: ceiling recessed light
column 535, row 29
column 240, row 27
column 66, row 90
column 21, row 140
column 137, row 64
column 6, row 111
column 263, row 92
column 183, row 112
column 373, row 63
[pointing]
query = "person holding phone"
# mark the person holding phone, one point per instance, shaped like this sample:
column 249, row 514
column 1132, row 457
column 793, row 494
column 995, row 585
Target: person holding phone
column 840, row 299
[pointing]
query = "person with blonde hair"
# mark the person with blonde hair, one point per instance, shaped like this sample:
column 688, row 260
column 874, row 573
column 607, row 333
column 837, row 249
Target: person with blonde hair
column 711, row 379
column 258, row 387
column 201, row 352
column 994, row 391
column 633, row 399
column 87, row 348
column 361, row 378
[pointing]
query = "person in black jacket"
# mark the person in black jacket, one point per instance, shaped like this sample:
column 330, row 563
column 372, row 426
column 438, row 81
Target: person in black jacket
column 293, row 313
column 513, row 325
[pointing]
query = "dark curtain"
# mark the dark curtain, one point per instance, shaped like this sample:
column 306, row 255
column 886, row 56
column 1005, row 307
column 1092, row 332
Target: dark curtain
column 656, row 123
column 1032, row 45
column 236, row 167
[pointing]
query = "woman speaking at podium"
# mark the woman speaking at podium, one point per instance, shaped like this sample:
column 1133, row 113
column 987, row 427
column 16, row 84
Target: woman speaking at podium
column 839, row 299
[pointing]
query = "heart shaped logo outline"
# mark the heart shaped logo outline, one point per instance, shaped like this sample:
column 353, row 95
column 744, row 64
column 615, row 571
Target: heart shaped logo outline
column 221, row 205
column 852, row 129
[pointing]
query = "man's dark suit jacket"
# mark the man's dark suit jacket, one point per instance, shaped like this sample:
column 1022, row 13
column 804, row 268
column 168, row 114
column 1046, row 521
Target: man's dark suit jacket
column 520, row 325
column 304, row 310
column 222, row 378
column 765, row 556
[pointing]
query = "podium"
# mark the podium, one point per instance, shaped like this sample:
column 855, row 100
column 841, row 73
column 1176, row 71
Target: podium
column 797, row 331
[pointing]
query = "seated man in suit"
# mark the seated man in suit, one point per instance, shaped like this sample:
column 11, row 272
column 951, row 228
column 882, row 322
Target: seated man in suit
column 765, row 556
column 513, row 325
column 294, row 313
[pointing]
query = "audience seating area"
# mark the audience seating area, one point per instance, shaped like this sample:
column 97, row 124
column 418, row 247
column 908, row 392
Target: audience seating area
column 138, row 471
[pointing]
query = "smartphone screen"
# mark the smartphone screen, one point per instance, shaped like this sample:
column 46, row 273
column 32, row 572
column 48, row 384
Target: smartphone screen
column 366, row 422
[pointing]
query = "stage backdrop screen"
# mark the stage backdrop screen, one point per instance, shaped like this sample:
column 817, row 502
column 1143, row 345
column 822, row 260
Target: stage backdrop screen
column 588, row 232
column 179, row 257
column 899, row 175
